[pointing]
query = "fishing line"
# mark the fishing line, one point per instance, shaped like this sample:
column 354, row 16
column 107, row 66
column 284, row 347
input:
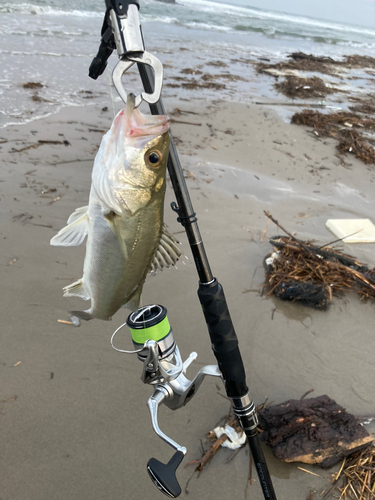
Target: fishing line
column 111, row 94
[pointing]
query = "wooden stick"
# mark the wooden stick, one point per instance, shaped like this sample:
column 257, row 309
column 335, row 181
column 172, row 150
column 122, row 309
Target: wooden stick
column 208, row 455
column 64, row 322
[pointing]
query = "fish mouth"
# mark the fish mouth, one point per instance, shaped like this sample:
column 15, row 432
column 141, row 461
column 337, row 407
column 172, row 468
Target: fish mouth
column 136, row 124
column 157, row 127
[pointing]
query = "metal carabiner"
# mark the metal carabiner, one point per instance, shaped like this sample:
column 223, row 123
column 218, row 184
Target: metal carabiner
column 144, row 58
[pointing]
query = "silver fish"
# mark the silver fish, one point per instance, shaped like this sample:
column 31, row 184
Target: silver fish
column 126, row 236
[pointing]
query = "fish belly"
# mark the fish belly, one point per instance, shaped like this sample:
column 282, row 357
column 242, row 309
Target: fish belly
column 118, row 256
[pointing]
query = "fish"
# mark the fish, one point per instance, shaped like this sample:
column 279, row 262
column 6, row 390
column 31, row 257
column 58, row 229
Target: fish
column 123, row 221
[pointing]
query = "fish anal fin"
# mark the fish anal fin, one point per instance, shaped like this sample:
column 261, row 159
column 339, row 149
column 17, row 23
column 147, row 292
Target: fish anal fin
column 134, row 301
column 75, row 232
column 76, row 289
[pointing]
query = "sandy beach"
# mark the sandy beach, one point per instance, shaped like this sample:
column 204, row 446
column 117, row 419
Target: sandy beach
column 74, row 421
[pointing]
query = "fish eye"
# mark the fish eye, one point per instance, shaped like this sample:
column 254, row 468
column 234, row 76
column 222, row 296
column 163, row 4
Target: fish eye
column 153, row 158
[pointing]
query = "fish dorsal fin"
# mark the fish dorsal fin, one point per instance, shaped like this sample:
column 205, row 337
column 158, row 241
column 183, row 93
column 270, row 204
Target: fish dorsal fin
column 74, row 233
column 76, row 289
column 135, row 299
column 167, row 253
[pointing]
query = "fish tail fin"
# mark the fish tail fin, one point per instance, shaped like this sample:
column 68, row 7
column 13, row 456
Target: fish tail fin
column 75, row 232
column 85, row 315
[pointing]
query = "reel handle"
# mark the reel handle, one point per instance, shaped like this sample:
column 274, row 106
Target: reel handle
column 164, row 475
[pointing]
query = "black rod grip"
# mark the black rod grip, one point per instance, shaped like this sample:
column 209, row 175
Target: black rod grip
column 223, row 337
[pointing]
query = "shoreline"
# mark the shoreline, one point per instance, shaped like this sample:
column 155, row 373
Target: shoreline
column 73, row 431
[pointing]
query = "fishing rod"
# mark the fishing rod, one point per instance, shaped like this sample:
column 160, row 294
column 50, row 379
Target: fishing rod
column 151, row 332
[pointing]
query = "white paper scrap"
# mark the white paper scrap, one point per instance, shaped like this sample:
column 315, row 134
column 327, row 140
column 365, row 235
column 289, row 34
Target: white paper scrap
column 352, row 230
column 235, row 440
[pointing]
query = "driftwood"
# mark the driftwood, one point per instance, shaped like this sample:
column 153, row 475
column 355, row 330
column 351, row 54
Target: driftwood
column 313, row 431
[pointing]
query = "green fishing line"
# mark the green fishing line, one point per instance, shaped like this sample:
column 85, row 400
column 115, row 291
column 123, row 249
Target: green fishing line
column 156, row 332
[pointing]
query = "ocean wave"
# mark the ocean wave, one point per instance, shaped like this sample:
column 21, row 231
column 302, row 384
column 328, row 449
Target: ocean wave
column 206, row 26
column 149, row 18
column 27, row 8
column 250, row 12
column 285, row 32
column 38, row 54
column 44, row 32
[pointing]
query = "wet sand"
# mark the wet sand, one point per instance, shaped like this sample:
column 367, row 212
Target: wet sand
column 74, row 420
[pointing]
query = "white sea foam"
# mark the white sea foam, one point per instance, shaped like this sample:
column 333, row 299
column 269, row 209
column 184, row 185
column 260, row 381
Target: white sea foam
column 48, row 54
column 207, row 26
column 160, row 19
column 27, row 8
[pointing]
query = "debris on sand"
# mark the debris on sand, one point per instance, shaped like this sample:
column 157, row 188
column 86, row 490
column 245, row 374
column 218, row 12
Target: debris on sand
column 309, row 275
column 298, row 61
column 301, row 56
column 293, row 86
column 307, row 63
column 365, row 108
column 201, row 84
column 230, row 420
column 357, row 61
column 353, row 142
column 330, row 124
column 356, row 476
column 191, row 71
column 32, row 85
column 217, row 442
column 313, row 431
column 218, row 64
column 354, row 61
column 340, row 127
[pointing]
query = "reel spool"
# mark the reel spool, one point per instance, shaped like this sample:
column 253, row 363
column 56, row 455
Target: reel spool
column 151, row 323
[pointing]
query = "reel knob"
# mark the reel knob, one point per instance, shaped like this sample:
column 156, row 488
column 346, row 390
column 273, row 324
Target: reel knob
column 164, row 475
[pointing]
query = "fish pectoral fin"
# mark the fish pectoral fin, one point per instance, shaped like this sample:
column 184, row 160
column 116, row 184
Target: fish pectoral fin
column 133, row 302
column 167, row 253
column 75, row 232
column 76, row 289
column 106, row 190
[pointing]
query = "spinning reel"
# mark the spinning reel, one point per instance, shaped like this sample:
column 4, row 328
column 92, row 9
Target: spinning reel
column 165, row 371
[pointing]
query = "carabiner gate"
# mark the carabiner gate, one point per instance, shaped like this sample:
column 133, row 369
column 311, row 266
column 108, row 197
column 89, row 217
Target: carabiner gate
column 143, row 58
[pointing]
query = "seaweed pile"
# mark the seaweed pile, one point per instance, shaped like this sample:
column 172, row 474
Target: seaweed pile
column 293, row 86
column 299, row 61
column 331, row 125
column 309, row 275
column 340, row 126
column 367, row 108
